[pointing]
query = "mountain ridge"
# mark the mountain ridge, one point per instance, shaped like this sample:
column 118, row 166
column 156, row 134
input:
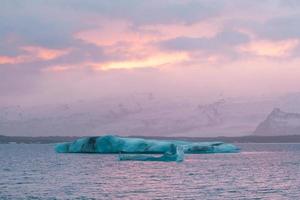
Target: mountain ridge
column 279, row 122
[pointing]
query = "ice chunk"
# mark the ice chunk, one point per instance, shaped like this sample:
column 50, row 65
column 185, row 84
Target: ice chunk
column 116, row 144
column 176, row 153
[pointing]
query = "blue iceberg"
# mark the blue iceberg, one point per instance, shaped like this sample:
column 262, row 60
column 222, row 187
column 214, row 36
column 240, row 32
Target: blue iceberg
column 110, row 144
column 176, row 153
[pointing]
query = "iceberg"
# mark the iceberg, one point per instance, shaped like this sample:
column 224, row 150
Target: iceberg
column 176, row 153
column 110, row 144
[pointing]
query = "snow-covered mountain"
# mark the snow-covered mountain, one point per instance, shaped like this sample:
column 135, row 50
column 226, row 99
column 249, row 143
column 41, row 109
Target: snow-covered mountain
column 144, row 114
column 279, row 123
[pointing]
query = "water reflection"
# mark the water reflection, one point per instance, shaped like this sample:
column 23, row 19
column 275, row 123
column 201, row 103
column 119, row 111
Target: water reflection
column 261, row 171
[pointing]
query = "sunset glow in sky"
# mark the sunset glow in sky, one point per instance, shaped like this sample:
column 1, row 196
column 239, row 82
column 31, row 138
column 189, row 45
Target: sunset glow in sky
column 89, row 49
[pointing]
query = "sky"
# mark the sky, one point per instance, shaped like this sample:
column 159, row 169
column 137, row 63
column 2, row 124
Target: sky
column 55, row 51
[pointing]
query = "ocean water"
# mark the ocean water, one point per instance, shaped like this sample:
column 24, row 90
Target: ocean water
column 260, row 171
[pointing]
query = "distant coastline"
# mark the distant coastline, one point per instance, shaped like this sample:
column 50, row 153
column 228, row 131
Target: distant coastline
column 240, row 139
column 35, row 140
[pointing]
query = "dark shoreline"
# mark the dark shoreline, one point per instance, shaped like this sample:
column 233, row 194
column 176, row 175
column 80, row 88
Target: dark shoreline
column 240, row 139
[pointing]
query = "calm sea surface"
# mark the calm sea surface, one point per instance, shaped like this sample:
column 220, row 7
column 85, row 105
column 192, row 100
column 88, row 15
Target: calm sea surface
column 260, row 171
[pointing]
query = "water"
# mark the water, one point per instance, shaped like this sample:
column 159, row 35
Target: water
column 260, row 171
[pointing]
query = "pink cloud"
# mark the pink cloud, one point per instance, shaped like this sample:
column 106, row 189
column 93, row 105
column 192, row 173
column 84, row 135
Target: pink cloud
column 270, row 48
column 34, row 53
column 155, row 60
column 44, row 53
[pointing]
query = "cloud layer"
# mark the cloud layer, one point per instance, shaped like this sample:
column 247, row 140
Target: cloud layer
column 62, row 46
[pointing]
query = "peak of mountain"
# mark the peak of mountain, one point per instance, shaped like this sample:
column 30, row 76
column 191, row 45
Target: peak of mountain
column 279, row 122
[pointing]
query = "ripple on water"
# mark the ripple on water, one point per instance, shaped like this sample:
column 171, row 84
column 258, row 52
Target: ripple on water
column 260, row 171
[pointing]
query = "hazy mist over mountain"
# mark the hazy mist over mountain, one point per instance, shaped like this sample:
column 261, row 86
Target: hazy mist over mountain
column 144, row 114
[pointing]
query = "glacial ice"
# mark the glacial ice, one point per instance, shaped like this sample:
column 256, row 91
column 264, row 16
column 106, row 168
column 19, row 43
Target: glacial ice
column 110, row 144
column 176, row 153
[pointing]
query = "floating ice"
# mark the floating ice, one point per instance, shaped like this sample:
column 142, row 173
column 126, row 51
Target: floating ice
column 176, row 153
column 123, row 145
